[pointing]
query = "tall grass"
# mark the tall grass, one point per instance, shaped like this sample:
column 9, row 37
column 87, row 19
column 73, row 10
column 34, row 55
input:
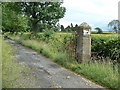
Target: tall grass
column 102, row 73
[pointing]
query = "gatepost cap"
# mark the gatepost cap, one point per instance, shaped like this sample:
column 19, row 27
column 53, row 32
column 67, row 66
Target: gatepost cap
column 85, row 26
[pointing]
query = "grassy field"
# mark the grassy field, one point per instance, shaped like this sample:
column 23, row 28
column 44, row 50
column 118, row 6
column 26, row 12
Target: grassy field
column 102, row 73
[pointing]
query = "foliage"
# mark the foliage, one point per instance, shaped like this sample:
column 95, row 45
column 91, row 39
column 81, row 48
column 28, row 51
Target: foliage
column 48, row 33
column 62, row 28
column 115, row 25
column 71, row 28
column 106, row 47
column 18, row 15
column 68, row 29
column 99, row 30
column 47, row 13
column 12, row 20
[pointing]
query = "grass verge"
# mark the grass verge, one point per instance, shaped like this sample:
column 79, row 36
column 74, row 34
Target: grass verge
column 0, row 62
column 101, row 73
column 14, row 74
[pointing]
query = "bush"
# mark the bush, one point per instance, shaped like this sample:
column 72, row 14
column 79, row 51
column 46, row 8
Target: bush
column 106, row 48
column 48, row 33
column 99, row 30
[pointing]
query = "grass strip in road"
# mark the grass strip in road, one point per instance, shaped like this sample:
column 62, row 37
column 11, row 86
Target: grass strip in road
column 101, row 73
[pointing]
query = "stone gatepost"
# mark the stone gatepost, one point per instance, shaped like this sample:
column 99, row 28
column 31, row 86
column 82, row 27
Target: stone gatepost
column 83, row 50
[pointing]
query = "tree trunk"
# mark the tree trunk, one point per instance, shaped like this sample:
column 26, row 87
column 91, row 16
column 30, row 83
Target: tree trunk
column 34, row 27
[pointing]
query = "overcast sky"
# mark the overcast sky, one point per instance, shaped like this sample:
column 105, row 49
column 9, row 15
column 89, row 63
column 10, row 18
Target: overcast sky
column 97, row 13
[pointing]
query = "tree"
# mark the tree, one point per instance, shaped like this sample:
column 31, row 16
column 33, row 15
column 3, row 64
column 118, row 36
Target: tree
column 99, row 30
column 12, row 20
column 57, row 27
column 62, row 28
column 76, row 27
column 47, row 13
column 71, row 26
column 68, row 29
column 115, row 25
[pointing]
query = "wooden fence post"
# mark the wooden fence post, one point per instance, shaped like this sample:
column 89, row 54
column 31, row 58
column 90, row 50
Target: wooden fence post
column 83, row 48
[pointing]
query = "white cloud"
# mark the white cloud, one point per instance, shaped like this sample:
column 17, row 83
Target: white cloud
column 92, row 11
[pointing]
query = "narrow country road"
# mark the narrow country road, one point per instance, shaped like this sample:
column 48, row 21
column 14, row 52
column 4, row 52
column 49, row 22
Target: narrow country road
column 47, row 73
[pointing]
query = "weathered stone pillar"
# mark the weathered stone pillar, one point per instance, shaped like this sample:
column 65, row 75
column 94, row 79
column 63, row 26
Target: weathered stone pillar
column 83, row 50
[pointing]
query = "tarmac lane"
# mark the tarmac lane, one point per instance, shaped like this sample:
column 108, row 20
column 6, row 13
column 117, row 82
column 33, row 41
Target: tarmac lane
column 47, row 73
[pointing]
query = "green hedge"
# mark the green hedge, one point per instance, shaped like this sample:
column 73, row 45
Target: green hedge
column 106, row 47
